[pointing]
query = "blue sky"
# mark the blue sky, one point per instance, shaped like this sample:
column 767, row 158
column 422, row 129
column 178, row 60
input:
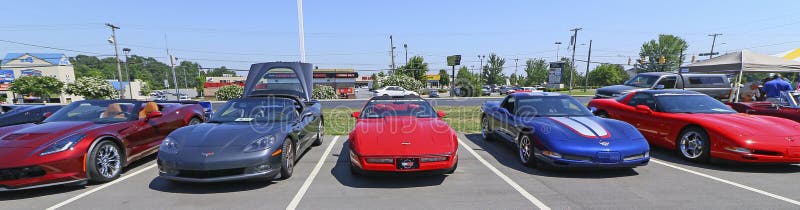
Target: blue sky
column 354, row 34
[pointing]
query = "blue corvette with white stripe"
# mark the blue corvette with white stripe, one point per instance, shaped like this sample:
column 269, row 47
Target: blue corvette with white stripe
column 556, row 130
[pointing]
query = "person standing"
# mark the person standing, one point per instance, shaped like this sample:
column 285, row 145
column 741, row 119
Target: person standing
column 774, row 87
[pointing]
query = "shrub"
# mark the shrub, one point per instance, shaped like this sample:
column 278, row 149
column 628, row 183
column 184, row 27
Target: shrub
column 406, row 82
column 324, row 92
column 91, row 88
column 229, row 92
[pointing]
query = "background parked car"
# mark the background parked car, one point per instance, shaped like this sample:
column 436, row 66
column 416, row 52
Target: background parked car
column 715, row 85
column 393, row 91
column 21, row 114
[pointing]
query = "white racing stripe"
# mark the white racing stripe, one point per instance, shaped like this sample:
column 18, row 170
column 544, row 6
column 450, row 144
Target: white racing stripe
column 84, row 194
column 505, row 178
column 307, row 183
column 597, row 128
column 727, row 182
column 574, row 125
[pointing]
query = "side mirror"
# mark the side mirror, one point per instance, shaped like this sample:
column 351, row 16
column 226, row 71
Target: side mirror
column 356, row 115
column 440, row 114
column 152, row 115
column 644, row 109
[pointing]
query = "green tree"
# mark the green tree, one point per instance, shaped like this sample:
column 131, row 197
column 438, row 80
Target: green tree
column 607, row 74
column 467, row 83
column 229, row 92
column 404, row 81
column 415, row 68
column 569, row 70
column 218, row 72
column 537, row 71
column 40, row 86
column 91, row 88
column 669, row 46
column 444, row 77
column 493, row 70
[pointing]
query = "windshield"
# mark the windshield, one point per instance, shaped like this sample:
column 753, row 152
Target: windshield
column 398, row 107
column 691, row 104
column 98, row 111
column 549, row 106
column 269, row 109
column 642, row 81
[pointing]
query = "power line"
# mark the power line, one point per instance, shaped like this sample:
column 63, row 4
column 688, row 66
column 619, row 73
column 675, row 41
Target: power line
column 47, row 47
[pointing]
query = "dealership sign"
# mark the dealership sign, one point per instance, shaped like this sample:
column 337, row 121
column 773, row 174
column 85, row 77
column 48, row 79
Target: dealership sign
column 6, row 76
column 554, row 72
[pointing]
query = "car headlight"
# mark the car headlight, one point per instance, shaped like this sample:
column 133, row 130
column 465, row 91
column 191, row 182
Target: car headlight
column 259, row 144
column 63, row 144
column 169, row 145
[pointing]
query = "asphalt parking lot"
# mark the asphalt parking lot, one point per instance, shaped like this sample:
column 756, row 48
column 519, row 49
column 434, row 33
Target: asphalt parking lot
column 489, row 177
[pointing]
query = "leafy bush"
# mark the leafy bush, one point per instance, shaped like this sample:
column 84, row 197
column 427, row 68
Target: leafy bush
column 37, row 86
column 442, row 90
column 91, row 88
column 229, row 92
column 324, row 92
column 406, row 82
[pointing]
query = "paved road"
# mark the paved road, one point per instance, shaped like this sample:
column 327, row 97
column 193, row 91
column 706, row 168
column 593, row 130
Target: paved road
column 358, row 103
column 494, row 179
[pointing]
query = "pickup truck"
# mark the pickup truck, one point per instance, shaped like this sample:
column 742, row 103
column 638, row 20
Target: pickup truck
column 715, row 85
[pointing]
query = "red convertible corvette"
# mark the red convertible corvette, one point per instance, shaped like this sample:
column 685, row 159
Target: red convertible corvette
column 787, row 107
column 401, row 135
column 88, row 140
column 700, row 127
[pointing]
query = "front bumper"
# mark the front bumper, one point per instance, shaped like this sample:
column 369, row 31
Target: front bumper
column 593, row 162
column 777, row 158
column 219, row 169
column 62, row 169
column 439, row 167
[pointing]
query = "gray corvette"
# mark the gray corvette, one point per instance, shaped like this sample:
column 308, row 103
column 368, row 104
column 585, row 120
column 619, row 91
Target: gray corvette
column 258, row 136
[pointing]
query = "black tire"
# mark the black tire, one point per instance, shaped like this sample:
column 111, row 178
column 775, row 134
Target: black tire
column 486, row 132
column 453, row 170
column 320, row 134
column 527, row 155
column 105, row 162
column 287, row 159
column 693, row 144
column 601, row 113
column 195, row 121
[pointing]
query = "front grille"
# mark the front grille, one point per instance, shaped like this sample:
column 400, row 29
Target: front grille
column 210, row 173
column 21, row 173
column 576, row 157
column 608, row 157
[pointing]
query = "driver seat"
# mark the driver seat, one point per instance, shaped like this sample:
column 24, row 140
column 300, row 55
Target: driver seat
column 114, row 110
column 147, row 109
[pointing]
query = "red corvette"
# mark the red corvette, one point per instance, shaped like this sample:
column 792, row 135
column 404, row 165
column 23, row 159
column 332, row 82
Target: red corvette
column 402, row 135
column 700, row 127
column 88, row 140
column 788, row 107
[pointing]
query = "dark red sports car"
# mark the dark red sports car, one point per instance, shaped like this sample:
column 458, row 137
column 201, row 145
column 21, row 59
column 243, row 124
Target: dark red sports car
column 88, row 140
column 700, row 127
column 787, row 107
column 402, row 134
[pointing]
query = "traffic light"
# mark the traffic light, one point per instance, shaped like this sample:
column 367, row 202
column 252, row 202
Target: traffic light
column 662, row 60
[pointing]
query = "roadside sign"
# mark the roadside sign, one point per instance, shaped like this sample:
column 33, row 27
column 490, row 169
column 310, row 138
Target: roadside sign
column 554, row 72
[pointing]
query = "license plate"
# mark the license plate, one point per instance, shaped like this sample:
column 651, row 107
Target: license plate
column 407, row 163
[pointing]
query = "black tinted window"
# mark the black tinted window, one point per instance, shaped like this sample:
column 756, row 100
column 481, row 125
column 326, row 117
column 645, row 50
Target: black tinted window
column 643, row 99
column 706, row 80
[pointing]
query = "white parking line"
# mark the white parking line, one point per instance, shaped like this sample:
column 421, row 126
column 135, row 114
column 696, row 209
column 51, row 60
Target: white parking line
column 727, row 182
column 505, row 178
column 84, row 194
column 307, row 183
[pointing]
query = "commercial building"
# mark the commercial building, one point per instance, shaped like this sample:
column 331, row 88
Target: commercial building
column 212, row 84
column 342, row 80
column 16, row 65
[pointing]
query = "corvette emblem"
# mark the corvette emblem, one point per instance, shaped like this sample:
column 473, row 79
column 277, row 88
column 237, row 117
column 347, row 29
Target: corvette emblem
column 789, row 139
column 407, row 163
column 206, row 154
column 604, row 143
column 405, row 143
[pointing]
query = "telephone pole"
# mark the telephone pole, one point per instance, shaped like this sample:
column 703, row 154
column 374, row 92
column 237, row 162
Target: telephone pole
column 113, row 40
column 391, row 45
column 588, row 61
column 713, row 42
column 516, row 79
column 574, row 43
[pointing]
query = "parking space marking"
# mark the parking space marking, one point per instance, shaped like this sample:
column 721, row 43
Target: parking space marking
column 505, row 178
column 307, row 183
column 727, row 182
column 123, row 178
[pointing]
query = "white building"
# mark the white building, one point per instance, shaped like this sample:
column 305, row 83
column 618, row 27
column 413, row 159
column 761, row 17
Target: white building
column 16, row 65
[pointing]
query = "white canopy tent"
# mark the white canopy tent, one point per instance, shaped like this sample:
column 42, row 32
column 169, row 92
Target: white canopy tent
column 740, row 62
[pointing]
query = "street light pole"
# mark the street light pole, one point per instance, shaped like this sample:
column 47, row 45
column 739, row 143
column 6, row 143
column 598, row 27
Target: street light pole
column 127, row 73
column 113, row 40
column 558, row 47
column 406, row 49
column 480, row 72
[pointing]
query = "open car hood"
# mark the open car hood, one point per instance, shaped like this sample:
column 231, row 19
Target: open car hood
column 304, row 72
